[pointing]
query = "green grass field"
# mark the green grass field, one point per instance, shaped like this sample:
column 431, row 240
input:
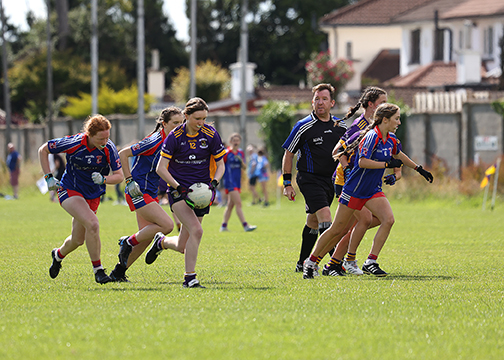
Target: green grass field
column 442, row 299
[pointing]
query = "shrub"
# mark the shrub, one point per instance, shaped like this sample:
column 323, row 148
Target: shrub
column 276, row 120
column 212, row 83
column 124, row 101
column 321, row 69
column 71, row 76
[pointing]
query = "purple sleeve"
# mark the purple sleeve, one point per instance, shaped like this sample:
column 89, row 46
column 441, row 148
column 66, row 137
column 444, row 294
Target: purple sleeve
column 217, row 148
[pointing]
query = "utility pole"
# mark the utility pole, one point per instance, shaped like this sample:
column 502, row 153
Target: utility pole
column 94, row 57
column 244, row 60
column 192, row 60
column 141, row 69
column 5, row 68
column 49, row 73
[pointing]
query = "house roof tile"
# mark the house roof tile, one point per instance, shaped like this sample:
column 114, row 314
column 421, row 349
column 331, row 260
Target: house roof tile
column 384, row 66
column 426, row 11
column 370, row 12
column 435, row 74
column 475, row 8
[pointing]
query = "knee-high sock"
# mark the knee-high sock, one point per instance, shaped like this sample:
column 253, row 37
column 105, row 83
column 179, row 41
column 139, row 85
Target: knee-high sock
column 309, row 239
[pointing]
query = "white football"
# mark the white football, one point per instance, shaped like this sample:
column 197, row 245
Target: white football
column 201, row 195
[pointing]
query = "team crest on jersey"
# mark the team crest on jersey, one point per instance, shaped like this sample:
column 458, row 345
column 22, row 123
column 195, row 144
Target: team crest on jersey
column 203, row 143
column 99, row 159
column 135, row 147
column 52, row 146
column 364, row 151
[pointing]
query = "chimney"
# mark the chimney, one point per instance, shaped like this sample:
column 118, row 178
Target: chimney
column 236, row 79
column 156, row 78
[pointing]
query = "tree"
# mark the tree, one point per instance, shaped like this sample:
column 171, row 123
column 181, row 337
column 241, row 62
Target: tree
column 276, row 119
column 72, row 74
column 212, row 83
column 282, row 34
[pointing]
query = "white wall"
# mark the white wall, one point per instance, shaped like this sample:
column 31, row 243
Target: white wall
column 367, row 42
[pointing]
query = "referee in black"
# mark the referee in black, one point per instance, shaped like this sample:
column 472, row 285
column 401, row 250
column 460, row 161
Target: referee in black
column 313, row 140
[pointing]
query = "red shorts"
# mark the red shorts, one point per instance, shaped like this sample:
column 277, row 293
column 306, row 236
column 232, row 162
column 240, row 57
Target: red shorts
column 65, row 194
column 233, row 189
column 356, row 203
column 139, row 202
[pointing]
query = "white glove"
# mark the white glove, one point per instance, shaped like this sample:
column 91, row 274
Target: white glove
column 52, row 182
column 98, row 178
column 133, row 188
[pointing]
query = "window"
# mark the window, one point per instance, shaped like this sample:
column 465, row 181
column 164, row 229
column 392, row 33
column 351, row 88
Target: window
column 349, row 50
column 438, row 45
column 415, row 47
column 488, row 38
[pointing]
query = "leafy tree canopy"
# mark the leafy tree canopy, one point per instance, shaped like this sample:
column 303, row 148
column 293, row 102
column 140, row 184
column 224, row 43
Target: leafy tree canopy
column 282, row 34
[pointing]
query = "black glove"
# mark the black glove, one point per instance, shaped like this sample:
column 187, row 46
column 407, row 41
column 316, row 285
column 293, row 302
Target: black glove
column 427, row 175
column 213, row 187
column 180, row 193
column 346, row 172
column 393, row 163
column 390, row 179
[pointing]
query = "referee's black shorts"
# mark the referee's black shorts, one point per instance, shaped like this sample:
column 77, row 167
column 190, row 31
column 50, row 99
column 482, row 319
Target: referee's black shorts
column 318, row 191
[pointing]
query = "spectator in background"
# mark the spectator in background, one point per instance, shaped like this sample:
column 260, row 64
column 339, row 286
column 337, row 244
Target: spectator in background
column 262, row 172
column 251, row 169
column 14, row 164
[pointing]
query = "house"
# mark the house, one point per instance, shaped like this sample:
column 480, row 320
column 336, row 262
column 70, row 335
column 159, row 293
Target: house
column 444, row 44
column 465, row 32
column 359, row 32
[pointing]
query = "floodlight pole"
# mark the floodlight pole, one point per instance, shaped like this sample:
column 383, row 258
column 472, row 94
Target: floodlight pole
column 141, row 68
column 8, row 115
column 94, row 57
column 244, row 60
column 49, row 73
column 192, row 60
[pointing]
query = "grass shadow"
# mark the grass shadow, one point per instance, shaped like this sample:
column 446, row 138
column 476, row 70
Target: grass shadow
column 409, row 277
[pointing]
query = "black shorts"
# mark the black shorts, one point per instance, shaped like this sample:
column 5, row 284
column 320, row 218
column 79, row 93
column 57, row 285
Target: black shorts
column 337, row 190
column 318, row 191
column 253, row 180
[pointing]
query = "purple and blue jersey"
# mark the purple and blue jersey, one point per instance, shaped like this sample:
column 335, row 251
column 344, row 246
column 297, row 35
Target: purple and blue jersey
column 364, row 183
column 232, row 176
column 81, row 162
column 147, row 152
column 191, row 156
column 314, row 140
column 357, row 126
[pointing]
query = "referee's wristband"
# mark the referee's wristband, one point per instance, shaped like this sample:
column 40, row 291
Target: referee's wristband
column 287, row 183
